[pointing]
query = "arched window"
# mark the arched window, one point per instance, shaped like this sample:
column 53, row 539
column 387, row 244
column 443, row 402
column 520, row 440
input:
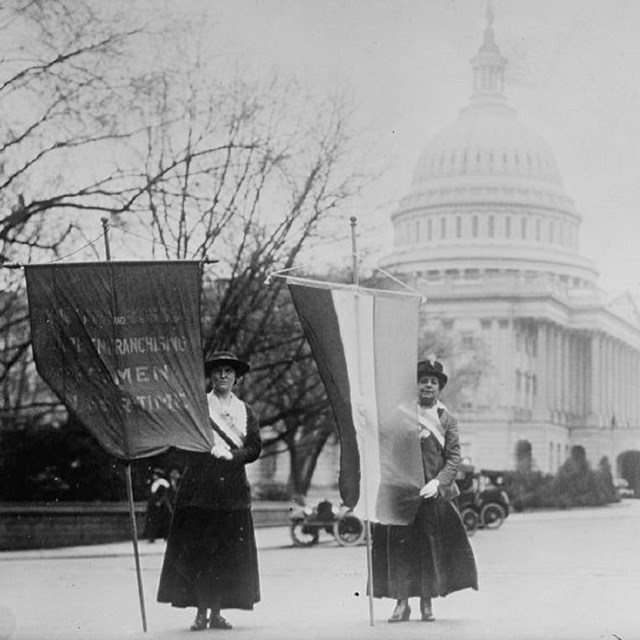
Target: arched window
column 524, row 456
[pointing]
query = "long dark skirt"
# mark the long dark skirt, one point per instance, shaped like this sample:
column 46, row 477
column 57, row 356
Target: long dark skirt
column 429, row 558
column 211, row 559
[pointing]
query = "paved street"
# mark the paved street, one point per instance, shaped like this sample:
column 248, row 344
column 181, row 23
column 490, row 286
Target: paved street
column 554, row 575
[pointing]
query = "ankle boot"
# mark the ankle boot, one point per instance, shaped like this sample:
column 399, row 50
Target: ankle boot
column 402, row 611
column 201, row 621
column 426, row 611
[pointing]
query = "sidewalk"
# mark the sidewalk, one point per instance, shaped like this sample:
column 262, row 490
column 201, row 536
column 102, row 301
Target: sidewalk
column 266, row 538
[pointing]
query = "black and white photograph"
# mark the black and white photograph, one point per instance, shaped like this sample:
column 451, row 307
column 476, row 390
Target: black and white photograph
column 319, row 319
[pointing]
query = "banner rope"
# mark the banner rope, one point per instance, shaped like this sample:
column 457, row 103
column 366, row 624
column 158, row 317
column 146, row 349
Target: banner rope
column 423, row 298
column 20, row 265
column 278, row 274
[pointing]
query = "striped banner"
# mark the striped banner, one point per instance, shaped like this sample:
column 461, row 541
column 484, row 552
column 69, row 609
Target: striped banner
column 365, row 345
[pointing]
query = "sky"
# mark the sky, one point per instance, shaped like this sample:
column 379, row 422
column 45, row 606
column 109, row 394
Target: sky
column 573, row 75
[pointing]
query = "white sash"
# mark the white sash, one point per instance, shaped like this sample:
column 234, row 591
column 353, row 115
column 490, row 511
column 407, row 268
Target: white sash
column 231, row 420
column 430, row 423
column 428, row 420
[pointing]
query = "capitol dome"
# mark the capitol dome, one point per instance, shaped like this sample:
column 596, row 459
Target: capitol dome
column 488, row 140
column 487, row 195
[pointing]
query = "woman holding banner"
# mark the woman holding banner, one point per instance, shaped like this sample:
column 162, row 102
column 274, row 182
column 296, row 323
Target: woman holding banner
column 211, row 560
column 432, row 556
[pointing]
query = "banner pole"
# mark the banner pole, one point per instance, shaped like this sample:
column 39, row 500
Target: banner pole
column 367, row 521
column 354, row 250
column 129, row 481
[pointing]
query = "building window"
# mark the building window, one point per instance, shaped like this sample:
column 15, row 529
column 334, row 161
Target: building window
column 429, row 229
column 559, row 461
column 443, row 227
column 523, row 228
column 467, row 340
column 458, row 227
column 534, row 385
column 538, row 229
column 485, row 324
column 474, row 226
column 417, row 236
column 507, row 227
column 551, row 232
column 491, row 229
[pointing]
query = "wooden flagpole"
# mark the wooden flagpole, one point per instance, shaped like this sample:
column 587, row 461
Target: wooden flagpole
column 367, row 521
column 127, row 472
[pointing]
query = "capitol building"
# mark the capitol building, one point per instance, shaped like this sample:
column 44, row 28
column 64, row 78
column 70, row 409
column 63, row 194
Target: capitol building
column 488, row 234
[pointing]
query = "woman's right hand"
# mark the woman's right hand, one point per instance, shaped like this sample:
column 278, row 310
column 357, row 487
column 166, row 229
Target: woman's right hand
column 221, row 452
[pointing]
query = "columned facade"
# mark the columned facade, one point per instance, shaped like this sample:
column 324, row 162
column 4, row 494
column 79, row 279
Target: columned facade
column 488, row 234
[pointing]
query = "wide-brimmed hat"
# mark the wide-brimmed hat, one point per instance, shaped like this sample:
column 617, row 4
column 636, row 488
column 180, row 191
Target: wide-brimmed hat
column 221, row 358
column 429, row 368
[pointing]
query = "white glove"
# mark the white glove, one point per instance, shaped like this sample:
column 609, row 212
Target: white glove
column 219, row 451
column 430, row 489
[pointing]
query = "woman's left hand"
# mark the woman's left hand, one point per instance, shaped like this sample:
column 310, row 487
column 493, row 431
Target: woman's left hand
column 221, row 452
column 430, row 489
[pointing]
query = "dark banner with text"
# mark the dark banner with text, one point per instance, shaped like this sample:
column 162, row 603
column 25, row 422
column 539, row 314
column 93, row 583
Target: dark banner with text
column 120, row 344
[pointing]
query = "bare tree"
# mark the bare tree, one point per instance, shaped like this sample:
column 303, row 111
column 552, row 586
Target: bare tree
column 250, row 175
column 66, row 94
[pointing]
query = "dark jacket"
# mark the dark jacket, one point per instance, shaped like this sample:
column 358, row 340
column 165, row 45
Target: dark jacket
column 443, row 463
column 212, row 483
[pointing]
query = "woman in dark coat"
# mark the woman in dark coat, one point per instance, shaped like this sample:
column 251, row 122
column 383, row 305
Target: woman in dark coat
column 211, row 561
column 432, row 556
column 159, row 508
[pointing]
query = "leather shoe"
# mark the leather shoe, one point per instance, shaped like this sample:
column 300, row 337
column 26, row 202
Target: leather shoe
column 425, row 610
column 401, row 613
column 200, row 623
column 218, row 622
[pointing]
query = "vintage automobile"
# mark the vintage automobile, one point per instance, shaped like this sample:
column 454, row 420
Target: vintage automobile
column 622, row 488
column 306, row 523
column 482, row 495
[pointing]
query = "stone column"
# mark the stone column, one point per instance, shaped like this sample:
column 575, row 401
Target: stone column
column 541, row 372
column 595, row 395
column 566, row 372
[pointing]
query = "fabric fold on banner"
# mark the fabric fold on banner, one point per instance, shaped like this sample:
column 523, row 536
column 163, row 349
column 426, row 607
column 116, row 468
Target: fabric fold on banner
column 364, row 342
column 120, row 344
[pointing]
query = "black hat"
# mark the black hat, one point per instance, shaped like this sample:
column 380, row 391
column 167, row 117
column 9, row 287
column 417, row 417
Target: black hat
column 220, row 358
column 428, row 368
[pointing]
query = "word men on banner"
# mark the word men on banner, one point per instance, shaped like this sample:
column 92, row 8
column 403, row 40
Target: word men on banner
column 120, row 344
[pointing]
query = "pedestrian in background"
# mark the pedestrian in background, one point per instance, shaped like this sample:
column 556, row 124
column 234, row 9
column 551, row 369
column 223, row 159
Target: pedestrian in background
column 159, row 508
column 432, row 556
column 211, row 560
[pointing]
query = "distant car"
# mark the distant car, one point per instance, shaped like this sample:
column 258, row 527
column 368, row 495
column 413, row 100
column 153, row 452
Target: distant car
column 622, row 488
column 479, row 494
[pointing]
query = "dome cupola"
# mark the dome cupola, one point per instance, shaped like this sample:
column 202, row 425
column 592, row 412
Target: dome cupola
column 487, row 195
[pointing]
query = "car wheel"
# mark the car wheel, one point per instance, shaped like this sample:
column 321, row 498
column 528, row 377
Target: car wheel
column 349, row 530
column 301, row 535
column 470, row 520
column 492, row 515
